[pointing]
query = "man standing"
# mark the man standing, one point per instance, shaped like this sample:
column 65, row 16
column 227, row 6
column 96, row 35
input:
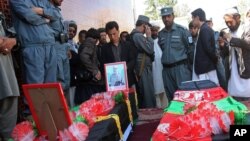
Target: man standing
column 102, row 41
column 89, row 62
column 220, row 69
column 81, row 37
column 193, row 31
column 117, row 51
column 205, row 58
column 175, row 45
column 144, row 60
column 159, row 91
column 62, row 48
column 103, row 36
column 37, row 40
column 238, row 37
column 124, row 35
column 9, row 90
column 71, row 28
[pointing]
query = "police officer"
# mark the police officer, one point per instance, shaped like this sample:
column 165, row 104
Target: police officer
column 145, row 57
column 61, row 46
column 37, row 40
column 175, row 44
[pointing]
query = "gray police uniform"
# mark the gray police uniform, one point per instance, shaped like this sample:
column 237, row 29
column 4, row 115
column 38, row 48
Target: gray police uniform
column 175, row 53
column 9, row 93
column 37, row 41
column 61, row 46
column 145, row 52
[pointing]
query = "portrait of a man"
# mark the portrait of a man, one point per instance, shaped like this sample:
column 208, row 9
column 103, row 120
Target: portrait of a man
column 116, row 76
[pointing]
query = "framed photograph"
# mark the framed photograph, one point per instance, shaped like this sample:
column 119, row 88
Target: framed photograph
column 48, row 108
column 116, row 76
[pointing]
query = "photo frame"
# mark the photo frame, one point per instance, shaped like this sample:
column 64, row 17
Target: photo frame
column 116, row 76
column 48, row 108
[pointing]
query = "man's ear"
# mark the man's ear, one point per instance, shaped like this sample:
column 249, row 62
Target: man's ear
column 238, row 17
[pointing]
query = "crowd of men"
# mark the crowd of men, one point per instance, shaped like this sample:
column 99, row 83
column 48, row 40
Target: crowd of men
column 158, row 60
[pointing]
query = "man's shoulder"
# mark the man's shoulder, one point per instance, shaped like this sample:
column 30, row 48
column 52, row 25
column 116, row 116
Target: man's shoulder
column 106, row 47
column 180, row 27
column 109, row 44
column 87, row 44
column 138, row 37
column 161, row 32
column 137, row 34
column 206, row 29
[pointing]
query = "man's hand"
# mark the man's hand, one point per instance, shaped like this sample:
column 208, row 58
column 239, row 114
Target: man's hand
column 69, row 54
column 38, row 10
column 47, row 20
column 98, row 76
column 228, row 36
column 7, row 45
column 147, row 31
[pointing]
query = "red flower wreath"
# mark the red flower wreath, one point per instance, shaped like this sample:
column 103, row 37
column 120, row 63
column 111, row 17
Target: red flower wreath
column 178, row 129
column 23, row 132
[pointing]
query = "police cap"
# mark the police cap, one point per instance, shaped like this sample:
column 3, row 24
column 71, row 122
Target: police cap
column 167, row 11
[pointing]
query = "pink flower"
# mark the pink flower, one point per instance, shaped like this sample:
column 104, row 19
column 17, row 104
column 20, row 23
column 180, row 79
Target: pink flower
column 23, row 132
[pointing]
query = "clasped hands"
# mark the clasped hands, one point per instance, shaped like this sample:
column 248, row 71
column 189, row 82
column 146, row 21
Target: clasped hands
column 7, row 44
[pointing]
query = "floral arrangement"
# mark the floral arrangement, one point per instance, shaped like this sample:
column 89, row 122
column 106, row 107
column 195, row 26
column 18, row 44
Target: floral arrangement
column 83, row 119
column 195, row 96
column 196, row 115
column 26, row 131
column 99, row 104
column 199, row 124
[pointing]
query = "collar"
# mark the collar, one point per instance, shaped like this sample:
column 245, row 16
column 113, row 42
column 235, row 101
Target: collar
column 115, row 45
column 174, row 27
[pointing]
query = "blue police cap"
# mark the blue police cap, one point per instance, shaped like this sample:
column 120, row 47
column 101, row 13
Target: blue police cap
column 167, row 11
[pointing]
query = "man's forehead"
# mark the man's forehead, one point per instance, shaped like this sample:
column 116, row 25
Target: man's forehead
column 228, row 18
column 170, row 15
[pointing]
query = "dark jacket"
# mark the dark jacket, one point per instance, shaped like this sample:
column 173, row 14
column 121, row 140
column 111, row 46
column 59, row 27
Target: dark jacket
column 88, row 58
column 128, row 54
column 205, row 57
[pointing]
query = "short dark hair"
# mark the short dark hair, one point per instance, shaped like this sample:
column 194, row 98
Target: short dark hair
column 190, row 25
column 100, row 30
column 123, row 33
column 93, row 33
column 110, row 25
column 73, row 24
column 200, row 13
column 82, row 32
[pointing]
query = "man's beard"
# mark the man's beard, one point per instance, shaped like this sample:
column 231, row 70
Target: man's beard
column 234, row 28
column 154, row 36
